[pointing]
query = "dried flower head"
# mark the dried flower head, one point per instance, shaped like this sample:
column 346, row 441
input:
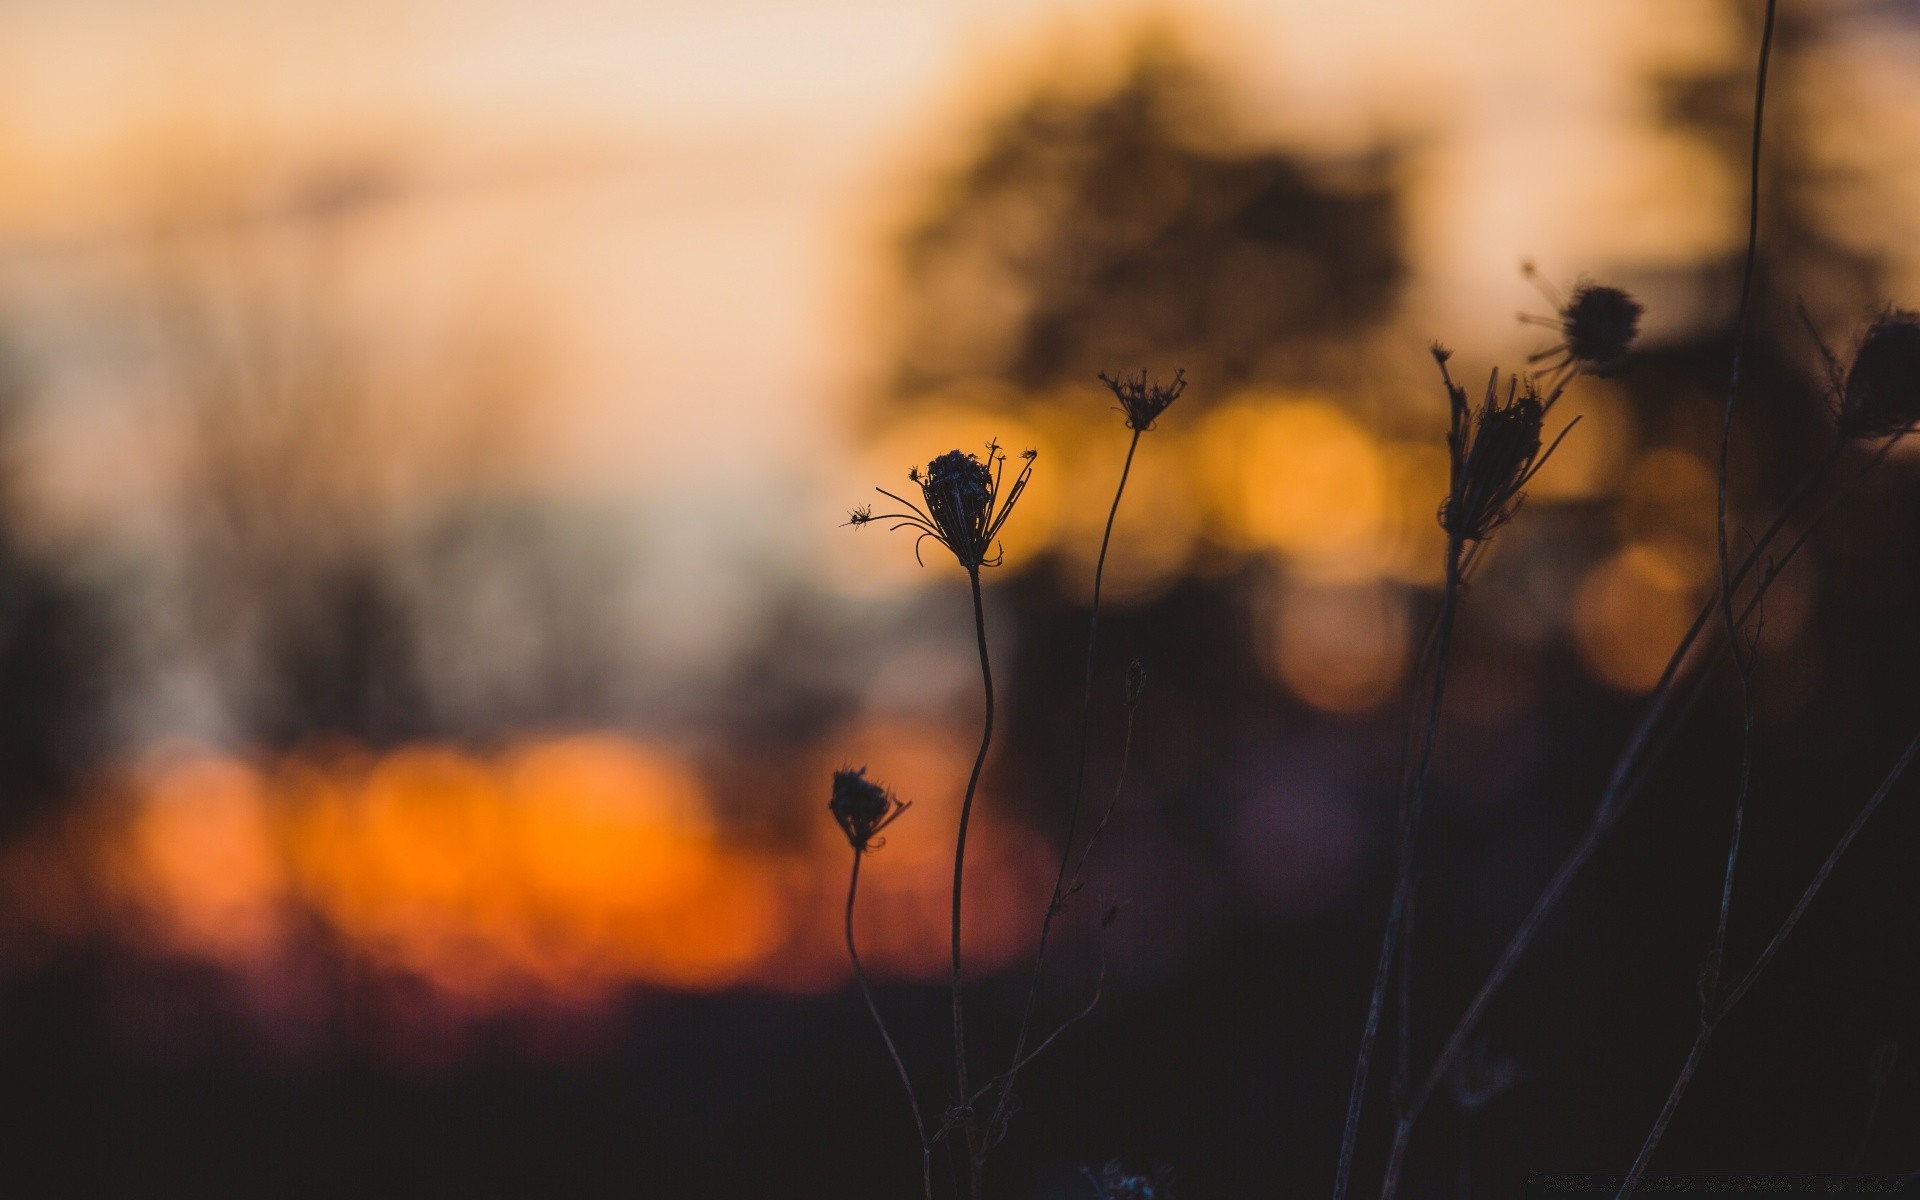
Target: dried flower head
column 1597, row 325
column 966, row 500
column 1493, row 452
column 1143, row 400
column 1115, row 1182
column 1136, row 681
column 1881, row 394
column 862, row 807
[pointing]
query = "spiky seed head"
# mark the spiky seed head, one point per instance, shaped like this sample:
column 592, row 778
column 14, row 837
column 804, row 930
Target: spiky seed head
column 1143, row 400
column 1493, row 452
column 958, row 489
column 1600, row 324
column 862, row 807
column 1597, row 325
column 963, row 502
column 1136, row 681
column 1882, row 392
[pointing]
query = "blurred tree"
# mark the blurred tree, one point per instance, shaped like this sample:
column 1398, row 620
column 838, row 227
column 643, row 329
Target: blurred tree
column 1140, row 224
column 52, row 647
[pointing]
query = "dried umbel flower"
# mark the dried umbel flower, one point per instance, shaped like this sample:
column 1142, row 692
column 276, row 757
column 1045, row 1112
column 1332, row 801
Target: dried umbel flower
column 862, row 807
column 1143, row 400
column 967, row 501
column 1597, row 325
column 1494, row 452
column 1881, row 394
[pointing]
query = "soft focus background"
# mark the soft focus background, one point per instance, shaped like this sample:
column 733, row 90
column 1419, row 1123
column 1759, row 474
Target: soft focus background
column 426, row 629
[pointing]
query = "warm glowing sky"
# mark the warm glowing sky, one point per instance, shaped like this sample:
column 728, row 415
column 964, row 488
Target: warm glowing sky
column 675, row 201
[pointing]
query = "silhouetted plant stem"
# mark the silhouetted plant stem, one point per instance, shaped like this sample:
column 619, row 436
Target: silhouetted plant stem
column 1056, row 903
column 965, row 1114
column 1742, row 656
column 1403, row 876
column 997, row 1126
column 866, row 993
column 1625, row 777
column 1710, row 1020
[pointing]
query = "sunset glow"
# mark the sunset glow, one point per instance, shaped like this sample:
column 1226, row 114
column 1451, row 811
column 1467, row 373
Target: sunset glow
column 557, row 871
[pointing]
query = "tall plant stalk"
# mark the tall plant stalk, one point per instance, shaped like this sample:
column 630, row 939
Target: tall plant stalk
column 1494, row 451
column 1056, row 902
column 1403, row 872
column 1717, row 1011
column 969, row 1129
column 1735, row 630
column 866, row 993
column 1743, row 656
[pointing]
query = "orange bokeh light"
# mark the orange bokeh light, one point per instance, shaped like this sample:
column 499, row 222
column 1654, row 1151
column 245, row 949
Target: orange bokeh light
column 554, row 872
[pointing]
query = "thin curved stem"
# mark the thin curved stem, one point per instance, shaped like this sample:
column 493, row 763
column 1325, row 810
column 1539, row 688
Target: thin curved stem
column 1005, row 1083
column 1056, row 903
column 1403, row 875
column 1820, row 877
column 1660, row 1123
column 1711, row 1020
column 866, row 993
column 965, row 1116
column 1742, row 656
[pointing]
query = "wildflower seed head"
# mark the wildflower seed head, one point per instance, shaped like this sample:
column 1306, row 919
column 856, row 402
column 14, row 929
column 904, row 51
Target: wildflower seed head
column 1881, row 396
column 862, row 807
column 1597, row 326
column 1493, row 452
column 860, row 514
column 959, row 493
column 964, row 501
column 1600, row 324
column 1143, row 400
column 1136, row 681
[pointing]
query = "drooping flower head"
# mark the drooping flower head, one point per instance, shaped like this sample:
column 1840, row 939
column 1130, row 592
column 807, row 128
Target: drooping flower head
column 1881, row 393
column 862, row 807
column 966, row 501
column 1597, row 326
column 1493, row 452
column 1143, row 400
